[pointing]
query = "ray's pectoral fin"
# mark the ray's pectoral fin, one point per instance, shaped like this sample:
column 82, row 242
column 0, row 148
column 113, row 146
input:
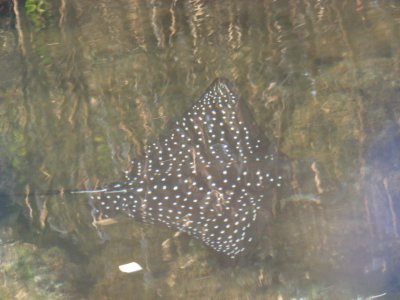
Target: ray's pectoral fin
column 207, row 177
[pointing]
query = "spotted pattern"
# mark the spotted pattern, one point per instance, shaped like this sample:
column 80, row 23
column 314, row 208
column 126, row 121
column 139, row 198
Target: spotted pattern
column 207, row 177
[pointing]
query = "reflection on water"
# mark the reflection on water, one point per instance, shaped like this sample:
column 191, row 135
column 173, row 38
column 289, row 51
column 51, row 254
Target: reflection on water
column 84, row 87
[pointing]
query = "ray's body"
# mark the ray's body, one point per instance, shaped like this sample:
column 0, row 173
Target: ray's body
column 208, row 176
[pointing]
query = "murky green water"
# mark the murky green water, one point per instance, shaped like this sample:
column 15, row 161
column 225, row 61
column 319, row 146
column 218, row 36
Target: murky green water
column 85, row 85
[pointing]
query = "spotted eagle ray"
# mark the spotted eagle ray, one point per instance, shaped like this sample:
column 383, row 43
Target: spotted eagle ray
column 207, row 177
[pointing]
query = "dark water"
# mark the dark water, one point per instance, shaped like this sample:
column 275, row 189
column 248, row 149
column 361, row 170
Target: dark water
column 85, row 86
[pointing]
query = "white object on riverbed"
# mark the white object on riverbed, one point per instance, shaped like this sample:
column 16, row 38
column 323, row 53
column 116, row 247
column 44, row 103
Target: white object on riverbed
column 130, row 267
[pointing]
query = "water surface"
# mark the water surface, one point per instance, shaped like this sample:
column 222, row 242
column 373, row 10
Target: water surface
column 85, row 86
